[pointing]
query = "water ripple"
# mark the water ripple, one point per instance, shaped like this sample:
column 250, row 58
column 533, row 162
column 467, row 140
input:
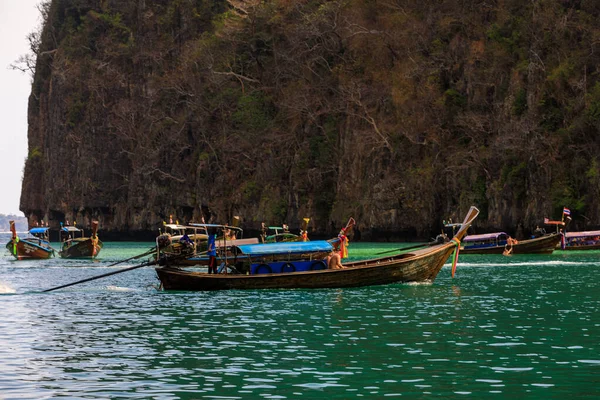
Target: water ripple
column 527, row 330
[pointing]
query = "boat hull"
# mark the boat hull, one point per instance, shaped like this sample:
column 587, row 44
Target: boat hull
column 582, row 247
column 86, row 248
column 27, row 249
column 419, row 266
column 542, row 245
column 585, row 240
column 283, row 237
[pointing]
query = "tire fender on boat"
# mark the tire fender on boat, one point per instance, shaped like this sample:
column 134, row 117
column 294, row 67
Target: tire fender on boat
column 288, row 267
column 318, row 265
column 266, row 267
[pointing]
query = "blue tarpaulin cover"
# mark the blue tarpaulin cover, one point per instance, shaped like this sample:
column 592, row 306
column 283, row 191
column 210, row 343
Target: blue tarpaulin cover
column 285, row 247
column 37, row 231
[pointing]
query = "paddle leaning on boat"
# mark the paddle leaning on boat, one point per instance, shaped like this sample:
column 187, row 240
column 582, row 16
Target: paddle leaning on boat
column 301, row 265
column 35, row 246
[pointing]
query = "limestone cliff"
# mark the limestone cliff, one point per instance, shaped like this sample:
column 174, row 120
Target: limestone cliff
column 398, row 113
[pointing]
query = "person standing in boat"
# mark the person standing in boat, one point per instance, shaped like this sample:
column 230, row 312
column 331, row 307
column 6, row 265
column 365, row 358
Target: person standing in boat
column 263, row 232
column 538, row 232
column 212, row 252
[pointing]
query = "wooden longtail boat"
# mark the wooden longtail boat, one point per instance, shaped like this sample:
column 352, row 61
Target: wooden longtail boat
column 279, row 235
column 35, row 246
column 585, row 240
column 276, row 234
column 79, row 247
column 227, row 242
column 500, row 242
column 180, row 237
column 417, row 266
column 177, row 232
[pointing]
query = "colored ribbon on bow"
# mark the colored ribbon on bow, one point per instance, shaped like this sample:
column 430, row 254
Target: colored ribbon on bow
column 343, row 243
column 455, row 255
column 94, row 240
column 15, row 244
column 15, row 239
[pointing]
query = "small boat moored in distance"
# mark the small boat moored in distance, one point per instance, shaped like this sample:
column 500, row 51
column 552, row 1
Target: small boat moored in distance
column 35, row 246
column 191, row 240
column 276, row 234
column 75, row 245
column 177, row 231
column 421, row 265
column 502, row 243
column 585, row 240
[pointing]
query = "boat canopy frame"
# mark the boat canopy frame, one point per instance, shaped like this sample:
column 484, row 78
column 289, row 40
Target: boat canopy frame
column 484, row 236
column 570, row 235
column 70, row 229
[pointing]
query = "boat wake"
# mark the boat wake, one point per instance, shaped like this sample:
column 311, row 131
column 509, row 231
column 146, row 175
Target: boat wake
column 508, row 263
column 120, row 289
column 423, row 283
column 5, row 289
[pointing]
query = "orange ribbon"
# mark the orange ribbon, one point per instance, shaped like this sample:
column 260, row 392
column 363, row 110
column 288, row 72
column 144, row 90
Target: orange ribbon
column 343, row 246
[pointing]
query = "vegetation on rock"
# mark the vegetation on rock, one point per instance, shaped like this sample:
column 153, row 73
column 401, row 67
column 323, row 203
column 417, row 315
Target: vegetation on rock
column 398, row 113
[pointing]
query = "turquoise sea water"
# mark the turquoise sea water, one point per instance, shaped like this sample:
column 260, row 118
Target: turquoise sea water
column 504, row 327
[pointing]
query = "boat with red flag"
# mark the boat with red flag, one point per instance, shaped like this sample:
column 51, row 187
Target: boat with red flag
column 584, row 240
column 578, row 240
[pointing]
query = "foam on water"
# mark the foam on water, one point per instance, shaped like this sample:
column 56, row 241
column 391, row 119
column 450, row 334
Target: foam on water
column 522, row 332
column 424, row 283
column 526, row 263
column 4, row 289
column 120, row 289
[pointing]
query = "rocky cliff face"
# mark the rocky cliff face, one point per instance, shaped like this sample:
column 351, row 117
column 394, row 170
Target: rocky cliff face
column 399, row 114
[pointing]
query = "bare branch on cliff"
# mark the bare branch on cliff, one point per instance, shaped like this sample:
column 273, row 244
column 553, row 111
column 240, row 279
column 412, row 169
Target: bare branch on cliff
column 366, row 116
column 164, row 175
column 241, row 6
column 240, row 78
column 395, row 6
column 25, row 63
column 356, row 29
column 48, row 53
